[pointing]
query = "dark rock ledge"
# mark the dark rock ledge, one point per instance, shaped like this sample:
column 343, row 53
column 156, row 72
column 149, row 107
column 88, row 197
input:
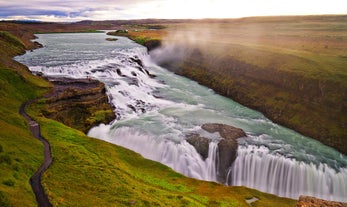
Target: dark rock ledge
column 78, row 103
column 227, row 146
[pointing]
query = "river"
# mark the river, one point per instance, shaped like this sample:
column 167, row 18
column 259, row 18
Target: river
column 154, row 115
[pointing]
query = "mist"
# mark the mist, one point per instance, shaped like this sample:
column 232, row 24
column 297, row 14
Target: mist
column 208, row 40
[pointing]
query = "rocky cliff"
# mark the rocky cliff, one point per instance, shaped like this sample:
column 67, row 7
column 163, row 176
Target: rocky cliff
column 78, row 103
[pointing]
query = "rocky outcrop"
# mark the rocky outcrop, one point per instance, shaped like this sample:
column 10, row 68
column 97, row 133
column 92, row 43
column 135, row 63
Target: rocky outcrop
column 201, row 144
column 307, row 201
column 152, row 44
column 227, row 146
column 78, row 103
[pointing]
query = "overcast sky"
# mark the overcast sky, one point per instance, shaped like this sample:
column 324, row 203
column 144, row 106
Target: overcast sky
column 76, row 10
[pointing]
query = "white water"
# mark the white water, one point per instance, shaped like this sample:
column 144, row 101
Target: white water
column 288, row 177
column 155, row 115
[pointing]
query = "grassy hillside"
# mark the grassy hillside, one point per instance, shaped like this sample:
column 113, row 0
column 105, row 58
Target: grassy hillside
column 86, row 171
column 20, row 153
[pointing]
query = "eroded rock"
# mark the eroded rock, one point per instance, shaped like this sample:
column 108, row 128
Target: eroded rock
column 78, row 103
column 227, row 146
column 201, row 144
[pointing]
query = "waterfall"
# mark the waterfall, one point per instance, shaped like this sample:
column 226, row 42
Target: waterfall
column 180, row 156
column 155, row 115
column 256, row 168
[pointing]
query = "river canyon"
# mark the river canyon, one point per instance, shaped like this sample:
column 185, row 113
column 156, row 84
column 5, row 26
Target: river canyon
column 156, row 110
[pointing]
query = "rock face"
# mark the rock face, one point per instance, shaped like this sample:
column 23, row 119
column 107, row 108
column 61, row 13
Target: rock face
column 152, row 44
column 78, row 103
column 227, row 146
column 200, row 144
column 307, row 201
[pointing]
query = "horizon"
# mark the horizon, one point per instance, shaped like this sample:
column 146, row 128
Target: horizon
column 103, row 10
column 173, row 19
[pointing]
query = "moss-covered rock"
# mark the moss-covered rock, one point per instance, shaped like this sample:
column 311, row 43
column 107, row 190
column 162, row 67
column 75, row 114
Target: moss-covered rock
column 78, row 103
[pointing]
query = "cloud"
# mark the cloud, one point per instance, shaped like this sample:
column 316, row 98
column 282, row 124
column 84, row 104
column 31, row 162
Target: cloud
column 9, row 11
column 75, row 10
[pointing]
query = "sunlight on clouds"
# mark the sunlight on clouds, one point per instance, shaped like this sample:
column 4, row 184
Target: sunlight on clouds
column 75, row 10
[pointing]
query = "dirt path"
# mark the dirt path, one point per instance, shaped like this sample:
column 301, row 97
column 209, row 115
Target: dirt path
column 35, row 180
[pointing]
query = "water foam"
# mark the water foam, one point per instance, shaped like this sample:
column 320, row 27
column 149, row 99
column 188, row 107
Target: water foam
column 256, row 167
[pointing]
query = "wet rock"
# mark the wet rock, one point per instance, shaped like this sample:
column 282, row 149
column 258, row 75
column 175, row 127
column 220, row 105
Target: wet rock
column 227, row 146
column 111, row 39
column 226, row 131
column 307, row 201
column 201, row 144
column 132, row 107
column 149, row 74
column 98, row 70
column 137, row 60
column 133, row 81
column 39, row 73
column 140, row 69
column 37, row 44
column 124, row 93
column 120, row 73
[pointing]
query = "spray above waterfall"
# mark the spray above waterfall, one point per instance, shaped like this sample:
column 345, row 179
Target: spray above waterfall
column 157, row 114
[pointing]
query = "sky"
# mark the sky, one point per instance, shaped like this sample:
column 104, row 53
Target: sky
column 77, row 10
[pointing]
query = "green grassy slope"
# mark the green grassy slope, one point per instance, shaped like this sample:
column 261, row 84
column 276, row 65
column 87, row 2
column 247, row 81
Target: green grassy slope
column 86, row 171
column 20, row 154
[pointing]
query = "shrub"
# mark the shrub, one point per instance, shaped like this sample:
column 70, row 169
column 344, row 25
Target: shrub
column 4, row 202
column 5, row 158
column 8, row 182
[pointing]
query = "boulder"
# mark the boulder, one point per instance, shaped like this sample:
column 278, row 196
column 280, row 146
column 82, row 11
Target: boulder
column 227, row 146
column 201, row 144
column 225, row 131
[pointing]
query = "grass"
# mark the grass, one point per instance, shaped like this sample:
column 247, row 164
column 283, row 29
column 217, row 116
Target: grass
column 142, row 36
column 87, row 171
column 21, row 154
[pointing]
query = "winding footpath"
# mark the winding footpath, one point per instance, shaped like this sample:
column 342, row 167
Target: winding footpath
column 35, row 180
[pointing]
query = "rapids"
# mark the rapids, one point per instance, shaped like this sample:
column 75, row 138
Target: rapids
column 154, row 115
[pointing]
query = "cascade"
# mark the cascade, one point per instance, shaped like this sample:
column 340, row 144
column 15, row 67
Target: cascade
column 256, row 168
column 180, row 156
